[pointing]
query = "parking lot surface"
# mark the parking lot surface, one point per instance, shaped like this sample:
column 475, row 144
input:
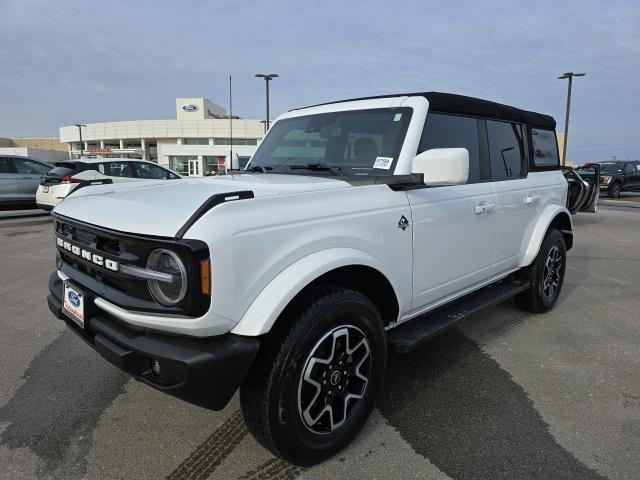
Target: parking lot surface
column 507, row 395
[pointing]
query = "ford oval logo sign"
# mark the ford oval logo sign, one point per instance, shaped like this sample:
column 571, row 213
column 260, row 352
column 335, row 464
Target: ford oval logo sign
column 73, row 298
column 190, row 107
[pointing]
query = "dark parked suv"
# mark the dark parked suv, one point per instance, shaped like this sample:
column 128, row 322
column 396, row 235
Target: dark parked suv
column 618, row 177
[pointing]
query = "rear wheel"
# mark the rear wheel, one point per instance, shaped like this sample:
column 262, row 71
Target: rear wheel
column 545, row 274
column 317, row 376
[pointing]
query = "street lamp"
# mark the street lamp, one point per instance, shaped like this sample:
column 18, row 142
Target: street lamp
column 569, row 76
column 80, row 125
column 267, row 79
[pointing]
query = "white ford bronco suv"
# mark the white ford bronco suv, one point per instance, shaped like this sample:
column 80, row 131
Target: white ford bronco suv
column 357, row 227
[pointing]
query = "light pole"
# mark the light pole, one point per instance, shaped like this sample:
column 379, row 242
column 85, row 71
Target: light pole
column 267, row 79
column 569, row 76
column 80, row 125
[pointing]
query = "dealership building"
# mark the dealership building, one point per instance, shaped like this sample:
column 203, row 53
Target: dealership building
column 195, row 144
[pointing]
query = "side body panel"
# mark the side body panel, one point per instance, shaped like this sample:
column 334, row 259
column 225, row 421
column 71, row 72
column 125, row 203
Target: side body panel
column 553, row 186
column 252, row 245
column 520, row 204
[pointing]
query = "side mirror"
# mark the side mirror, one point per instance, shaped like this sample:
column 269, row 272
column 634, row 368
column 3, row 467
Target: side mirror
column 442, row 166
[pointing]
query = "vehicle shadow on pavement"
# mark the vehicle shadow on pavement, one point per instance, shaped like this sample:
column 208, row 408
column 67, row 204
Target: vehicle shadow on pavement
column 54, row 412
column 459, row 409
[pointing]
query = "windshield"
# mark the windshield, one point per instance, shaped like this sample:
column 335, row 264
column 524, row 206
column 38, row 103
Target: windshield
column 610, row 167
column 357, row 142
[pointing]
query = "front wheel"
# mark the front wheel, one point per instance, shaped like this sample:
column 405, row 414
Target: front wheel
column 545, row 274
column 614, row 191
column 317, row 376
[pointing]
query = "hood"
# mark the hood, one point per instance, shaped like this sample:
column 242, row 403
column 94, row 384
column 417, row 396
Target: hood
column 161, row 207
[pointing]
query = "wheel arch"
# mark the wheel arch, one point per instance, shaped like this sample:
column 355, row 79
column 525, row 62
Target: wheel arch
column 553, row 216
column 347, row 268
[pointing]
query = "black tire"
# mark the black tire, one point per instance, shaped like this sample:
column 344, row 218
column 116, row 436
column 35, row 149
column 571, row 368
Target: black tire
column 614, row 190
column 545, row 274
column 278, row 404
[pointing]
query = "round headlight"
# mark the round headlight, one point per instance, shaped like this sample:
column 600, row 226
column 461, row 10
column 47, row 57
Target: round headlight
column 173, row 287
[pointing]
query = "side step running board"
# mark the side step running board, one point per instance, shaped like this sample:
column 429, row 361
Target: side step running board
column 408, row 336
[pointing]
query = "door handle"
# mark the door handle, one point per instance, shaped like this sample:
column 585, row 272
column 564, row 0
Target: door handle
column 531, row 199
column 483, row 207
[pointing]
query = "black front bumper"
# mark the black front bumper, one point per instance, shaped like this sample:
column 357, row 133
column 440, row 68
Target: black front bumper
column 203, row 371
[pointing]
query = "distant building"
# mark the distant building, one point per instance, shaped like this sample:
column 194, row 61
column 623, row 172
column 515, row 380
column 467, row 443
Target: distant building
column 45, row 149
column 560, row 137
column 196, row 143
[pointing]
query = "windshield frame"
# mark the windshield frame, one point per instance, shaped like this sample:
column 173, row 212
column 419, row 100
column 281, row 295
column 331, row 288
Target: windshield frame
column 346, row 170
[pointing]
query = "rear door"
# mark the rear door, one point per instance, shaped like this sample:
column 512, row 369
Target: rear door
column 519, row 199
column 9, row 184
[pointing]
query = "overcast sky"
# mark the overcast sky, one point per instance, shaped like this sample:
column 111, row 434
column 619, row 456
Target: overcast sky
column 63, row 62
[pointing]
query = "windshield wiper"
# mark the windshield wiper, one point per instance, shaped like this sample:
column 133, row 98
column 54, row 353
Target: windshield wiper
column 258, row 168
column 317, row 167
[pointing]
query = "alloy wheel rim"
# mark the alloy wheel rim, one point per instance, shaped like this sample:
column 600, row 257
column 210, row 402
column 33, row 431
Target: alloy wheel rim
column 334, row 379
column 552, row 272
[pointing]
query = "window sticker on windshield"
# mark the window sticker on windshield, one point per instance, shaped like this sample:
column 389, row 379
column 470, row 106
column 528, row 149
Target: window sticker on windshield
column 383, row 162
column 397, row 117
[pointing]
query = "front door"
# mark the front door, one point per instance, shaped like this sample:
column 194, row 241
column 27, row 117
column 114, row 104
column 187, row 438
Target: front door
column 454, row 230
column 454, row 227
column 194, row 168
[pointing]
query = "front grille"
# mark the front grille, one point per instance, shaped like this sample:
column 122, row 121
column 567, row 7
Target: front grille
column 84, row 237
column 107, row 245
column 126, row 249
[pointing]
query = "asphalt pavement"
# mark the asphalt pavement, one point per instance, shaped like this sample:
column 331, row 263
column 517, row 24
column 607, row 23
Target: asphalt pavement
column 508, row 395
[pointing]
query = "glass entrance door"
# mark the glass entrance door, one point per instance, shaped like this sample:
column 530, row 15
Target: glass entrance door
column 194, row 168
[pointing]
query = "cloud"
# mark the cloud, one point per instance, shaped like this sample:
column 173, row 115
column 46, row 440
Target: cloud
column 66, row 61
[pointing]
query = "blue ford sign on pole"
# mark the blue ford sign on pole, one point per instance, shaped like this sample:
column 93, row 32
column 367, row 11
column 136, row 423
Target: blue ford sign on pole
column 190, row 107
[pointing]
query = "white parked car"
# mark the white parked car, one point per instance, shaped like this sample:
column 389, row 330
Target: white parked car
column 67, row 176
column 356, row 227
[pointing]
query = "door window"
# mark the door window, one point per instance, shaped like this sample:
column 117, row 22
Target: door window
column 450, row 131
column 4, row 165
column 117, row 169
column 147, row 170
column 506, row 150
column 545, row 148
column 30, row 167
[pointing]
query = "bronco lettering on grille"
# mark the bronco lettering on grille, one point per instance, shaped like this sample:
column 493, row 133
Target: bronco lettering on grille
column 88, row 255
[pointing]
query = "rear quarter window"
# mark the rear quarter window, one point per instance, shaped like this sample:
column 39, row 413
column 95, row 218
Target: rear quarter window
column 545, row 148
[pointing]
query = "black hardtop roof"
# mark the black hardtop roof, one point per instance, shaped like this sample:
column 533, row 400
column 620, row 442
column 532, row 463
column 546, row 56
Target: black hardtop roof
column 460, row 104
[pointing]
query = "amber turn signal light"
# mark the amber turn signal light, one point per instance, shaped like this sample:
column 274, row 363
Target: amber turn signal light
column 205, row 277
